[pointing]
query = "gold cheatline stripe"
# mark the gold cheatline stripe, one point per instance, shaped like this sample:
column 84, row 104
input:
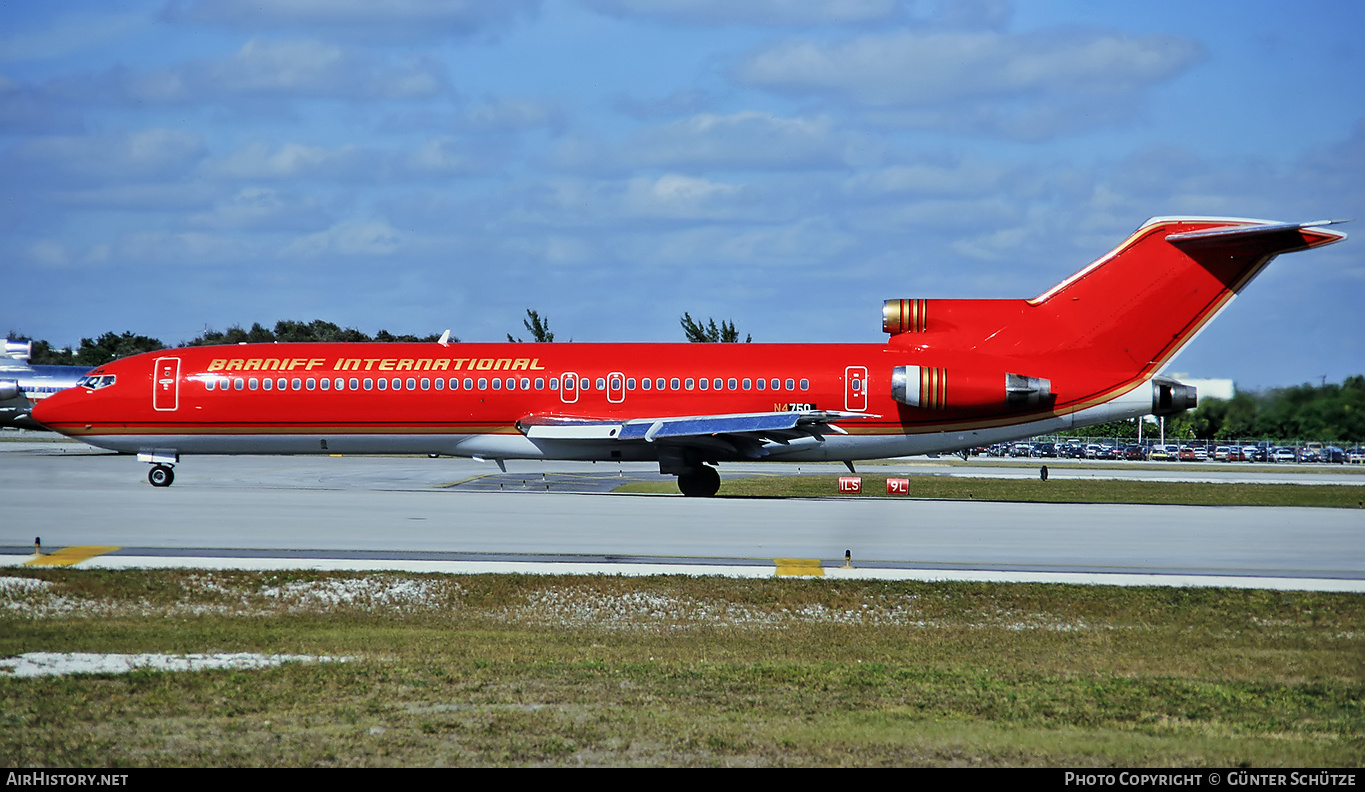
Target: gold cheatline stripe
column 69, row 555
column 809, row 567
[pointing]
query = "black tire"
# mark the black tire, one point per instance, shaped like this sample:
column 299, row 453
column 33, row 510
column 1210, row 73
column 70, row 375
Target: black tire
column 161, row 476
column 700, row 482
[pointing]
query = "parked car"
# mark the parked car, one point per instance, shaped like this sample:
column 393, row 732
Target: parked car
column 1164, row 452
column 1282, row 455
column 1134, row 453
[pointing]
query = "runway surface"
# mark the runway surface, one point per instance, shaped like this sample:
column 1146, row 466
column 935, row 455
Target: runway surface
column 460, row 515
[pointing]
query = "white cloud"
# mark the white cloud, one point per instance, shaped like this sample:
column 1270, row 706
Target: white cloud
column 356, row 238
column 764, row 13
column 392, row 20
column 260, row 160
column 970, row 177
column 290, row 68
column 909, row 68
column 746, row 140
column 257, row 208
column 678, row 196
column 89, row 159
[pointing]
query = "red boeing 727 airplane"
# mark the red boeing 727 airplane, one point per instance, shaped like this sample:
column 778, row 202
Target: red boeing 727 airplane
column 953, row 374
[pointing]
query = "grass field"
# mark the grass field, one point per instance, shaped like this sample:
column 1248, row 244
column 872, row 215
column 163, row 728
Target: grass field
column 600, row 670
column 1058, row 489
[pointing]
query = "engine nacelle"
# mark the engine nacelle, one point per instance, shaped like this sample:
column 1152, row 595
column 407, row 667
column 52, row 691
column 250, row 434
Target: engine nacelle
column 1172, row 398
column 9, row 389
column 19, row 350
column 904, row 316
column 932, row 388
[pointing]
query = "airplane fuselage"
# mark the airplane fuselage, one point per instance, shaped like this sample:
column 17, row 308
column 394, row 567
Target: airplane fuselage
column 952, row 374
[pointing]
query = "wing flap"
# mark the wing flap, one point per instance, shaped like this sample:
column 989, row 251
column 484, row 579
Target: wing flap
column 775, row 426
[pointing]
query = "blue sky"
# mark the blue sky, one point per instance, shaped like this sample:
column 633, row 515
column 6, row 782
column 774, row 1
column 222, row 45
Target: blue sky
column 415, row 165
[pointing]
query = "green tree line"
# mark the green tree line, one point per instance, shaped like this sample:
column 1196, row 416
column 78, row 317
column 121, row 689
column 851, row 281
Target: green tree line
column 1328, row 412
column 93, row 352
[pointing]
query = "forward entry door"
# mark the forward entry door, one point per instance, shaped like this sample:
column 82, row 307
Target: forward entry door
column 166, row 384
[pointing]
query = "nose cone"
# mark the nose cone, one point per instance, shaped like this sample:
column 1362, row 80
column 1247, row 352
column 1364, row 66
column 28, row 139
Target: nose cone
column 58, row 409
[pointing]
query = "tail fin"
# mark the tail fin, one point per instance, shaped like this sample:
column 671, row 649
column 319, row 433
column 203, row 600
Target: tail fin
column 1115, row 323
column 1139, row 305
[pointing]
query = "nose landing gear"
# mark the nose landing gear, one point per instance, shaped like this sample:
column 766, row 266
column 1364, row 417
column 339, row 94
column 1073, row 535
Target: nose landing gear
column 161, row 475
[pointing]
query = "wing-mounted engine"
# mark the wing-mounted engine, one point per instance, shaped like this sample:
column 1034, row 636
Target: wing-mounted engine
column 933, row 388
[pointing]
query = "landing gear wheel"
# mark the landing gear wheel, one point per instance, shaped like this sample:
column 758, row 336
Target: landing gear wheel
column 699, row 482
column 161, row 476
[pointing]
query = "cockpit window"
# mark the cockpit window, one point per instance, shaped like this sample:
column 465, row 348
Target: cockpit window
column 97, row 381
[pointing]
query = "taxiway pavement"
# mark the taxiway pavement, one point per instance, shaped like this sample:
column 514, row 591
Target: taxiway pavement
column 404, row 513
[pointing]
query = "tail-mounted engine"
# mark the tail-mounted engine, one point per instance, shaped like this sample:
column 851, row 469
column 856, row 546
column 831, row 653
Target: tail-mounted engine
column 904, row 316
column 1172, row 398
column 19, row 350
column 931, row 388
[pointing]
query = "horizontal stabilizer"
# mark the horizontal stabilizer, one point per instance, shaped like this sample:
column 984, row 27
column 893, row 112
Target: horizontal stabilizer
column 1190, row 239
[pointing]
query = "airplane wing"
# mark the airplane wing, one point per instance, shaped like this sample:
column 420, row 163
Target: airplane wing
column 746, row 434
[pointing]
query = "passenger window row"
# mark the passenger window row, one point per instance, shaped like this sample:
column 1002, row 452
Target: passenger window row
column 584, row 384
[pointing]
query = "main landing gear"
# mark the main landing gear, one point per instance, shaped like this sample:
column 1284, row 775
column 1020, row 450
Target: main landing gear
column 701, row 481
column 161, row 475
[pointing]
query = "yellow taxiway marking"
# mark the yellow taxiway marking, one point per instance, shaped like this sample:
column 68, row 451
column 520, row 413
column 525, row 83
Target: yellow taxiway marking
column 69, row 555
column 799, row 566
